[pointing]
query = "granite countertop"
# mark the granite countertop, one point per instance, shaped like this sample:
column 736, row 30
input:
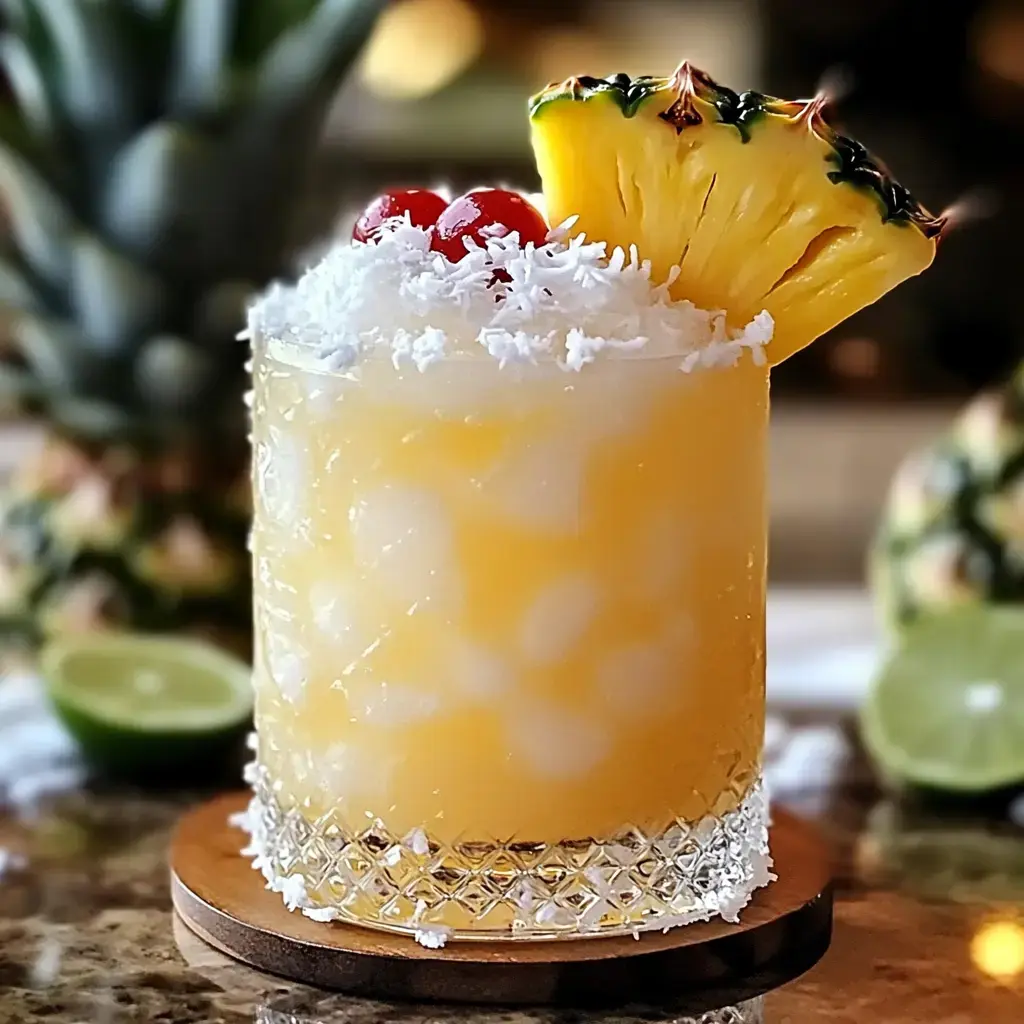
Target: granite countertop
column 87, row 935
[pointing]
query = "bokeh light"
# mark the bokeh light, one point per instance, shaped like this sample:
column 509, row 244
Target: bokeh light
column 420, row 46
column 997, row 950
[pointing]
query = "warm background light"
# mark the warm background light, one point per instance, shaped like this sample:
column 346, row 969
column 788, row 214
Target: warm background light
column 419, row 46
column 999, row 40
column 858, row 358
column 997, row 949
column 561, row 52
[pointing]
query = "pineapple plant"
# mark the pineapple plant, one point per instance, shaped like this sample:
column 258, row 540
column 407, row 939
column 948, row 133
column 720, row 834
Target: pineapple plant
column 150, row 169
column 758, row 202
column 952, row 531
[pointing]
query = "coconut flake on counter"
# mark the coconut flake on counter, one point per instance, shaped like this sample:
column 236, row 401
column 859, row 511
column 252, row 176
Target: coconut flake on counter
column 432, row 936
column 11, row 861
column 566, row 300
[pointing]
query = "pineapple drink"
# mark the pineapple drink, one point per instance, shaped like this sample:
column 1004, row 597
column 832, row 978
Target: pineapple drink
column 510, row 566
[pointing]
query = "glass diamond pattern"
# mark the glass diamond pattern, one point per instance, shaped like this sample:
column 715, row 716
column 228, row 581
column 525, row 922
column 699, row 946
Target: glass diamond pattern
column 479, row 888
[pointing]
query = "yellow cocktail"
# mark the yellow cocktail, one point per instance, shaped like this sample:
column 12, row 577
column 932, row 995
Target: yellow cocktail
column 510, row 529
column 510, row 630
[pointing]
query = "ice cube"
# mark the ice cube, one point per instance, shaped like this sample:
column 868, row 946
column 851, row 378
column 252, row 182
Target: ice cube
column 403, row 537
column 679, row 633
column 334, row 609
column 540, row 486
column 480, row 673
column 265, row 572
column 277, row 600
column 281, row 478
column 634, row 680
column 320, row 396
column 557, row 742
column 286, row 662
column 558, row 618
column 659, row 557
column 346, row 769
column 389, row 704
column 417, row 841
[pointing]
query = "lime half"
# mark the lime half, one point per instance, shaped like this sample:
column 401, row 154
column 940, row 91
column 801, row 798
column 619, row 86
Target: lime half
column 150, row 707
column 947, row 710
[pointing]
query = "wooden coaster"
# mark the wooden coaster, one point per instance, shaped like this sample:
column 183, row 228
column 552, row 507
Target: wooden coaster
column 783, row 932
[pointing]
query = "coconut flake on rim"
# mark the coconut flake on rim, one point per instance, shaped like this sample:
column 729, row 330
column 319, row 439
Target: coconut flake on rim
column 566, row 300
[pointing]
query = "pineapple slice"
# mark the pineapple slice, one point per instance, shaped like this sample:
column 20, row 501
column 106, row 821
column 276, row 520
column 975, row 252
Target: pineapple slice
column 757, row 200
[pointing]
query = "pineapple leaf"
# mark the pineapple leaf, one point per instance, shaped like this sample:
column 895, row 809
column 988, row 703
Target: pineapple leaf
column 289, row 95
column 15, row 12
column 40, row 222
column 95, row 82
column 150, row 8
column 201, row 70
column 25, row 22
column 54, row 352
column 150, row 207
column 250, row 215
column 91, row 418
column 220, row 313
column 114, row 299
column 26, row 81
column 260, row 25
column 315, row 53
column 16, row 291
column 171, row 373
column 16, row 134
column 19, row 389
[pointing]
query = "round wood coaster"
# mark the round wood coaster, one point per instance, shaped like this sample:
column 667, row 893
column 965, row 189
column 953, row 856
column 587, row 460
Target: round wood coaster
column 783, row 932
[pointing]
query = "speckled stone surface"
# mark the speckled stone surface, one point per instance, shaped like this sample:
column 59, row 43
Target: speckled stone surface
column 87, row 935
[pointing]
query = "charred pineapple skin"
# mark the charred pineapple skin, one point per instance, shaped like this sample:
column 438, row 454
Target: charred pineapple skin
column 756, row 199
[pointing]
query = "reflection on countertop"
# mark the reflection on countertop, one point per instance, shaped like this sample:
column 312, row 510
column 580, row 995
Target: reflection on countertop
column 929, row 917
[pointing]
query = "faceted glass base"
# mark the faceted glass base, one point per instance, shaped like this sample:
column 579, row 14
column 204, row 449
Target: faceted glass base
column 479, row 889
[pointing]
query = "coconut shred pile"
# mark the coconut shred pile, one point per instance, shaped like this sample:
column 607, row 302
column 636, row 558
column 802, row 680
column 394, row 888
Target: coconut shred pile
column 564, row 300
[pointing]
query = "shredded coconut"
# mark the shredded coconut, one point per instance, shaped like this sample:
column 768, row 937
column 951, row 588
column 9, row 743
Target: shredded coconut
column 291, row 888
column 748, row 847
column 432, row 936
column 417, row 841
column 46, row 966
column 566, row 301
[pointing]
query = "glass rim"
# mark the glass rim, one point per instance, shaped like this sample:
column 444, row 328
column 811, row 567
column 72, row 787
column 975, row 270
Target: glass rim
column 280, row 350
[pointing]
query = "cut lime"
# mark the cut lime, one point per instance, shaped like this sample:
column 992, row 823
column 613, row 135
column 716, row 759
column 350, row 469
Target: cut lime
column 947, row 710
column 149, row 707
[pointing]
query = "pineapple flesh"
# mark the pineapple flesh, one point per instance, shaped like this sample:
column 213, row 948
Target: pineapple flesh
column 952, row 532
column 150, row 169
column 758, row 202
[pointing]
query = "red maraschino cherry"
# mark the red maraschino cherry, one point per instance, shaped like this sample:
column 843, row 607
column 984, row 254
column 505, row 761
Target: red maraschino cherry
column 483, row 214
column 422, row 206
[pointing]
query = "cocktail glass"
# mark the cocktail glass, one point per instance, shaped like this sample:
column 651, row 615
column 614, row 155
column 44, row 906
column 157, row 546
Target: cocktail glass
column 510, row 641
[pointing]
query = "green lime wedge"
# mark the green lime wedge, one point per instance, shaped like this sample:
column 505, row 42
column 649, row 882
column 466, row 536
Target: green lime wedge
column 947, row 710
column 150, row 708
